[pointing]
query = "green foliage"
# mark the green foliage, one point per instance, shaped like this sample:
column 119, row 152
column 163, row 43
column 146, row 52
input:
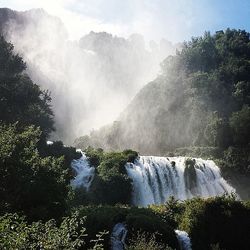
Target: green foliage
column 130, row 154
column 242, row 92
column 240, row 124
column 236, row 159
column 58, row 150
column 146, row 242
column 205, row 99
column 217, row 131
column 99, row 219
column 144, row 221
column 200, row 99
column 221, row 220
column 16, row 233
column 29, row 183
column 199, row 152
column 111, row 184
column 170, row 212
column 94, row 156
column 20, row 99
column 115, row 190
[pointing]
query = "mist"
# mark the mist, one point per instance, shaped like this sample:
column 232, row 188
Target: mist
column 91, row 80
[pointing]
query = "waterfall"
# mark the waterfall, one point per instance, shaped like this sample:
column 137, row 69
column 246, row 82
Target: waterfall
column 118, row 236
column 184, row 240
column 155, row 179
column 84, row 172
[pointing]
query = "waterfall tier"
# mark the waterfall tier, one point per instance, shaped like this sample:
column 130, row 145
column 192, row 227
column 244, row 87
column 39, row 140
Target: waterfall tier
column 184, row 240
column 118, row 236
column 155, row 179
column 84, row 172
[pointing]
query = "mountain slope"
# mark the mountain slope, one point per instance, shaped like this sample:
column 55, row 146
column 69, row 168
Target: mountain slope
column 201, row 98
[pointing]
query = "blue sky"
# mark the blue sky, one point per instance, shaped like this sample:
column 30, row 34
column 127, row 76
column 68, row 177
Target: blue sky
column 175, row 20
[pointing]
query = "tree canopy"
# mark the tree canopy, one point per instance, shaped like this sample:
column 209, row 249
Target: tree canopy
column 20, row 99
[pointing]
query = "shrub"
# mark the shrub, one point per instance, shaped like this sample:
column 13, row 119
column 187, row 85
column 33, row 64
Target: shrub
column 103, row 218
column 237, row 159
column 146, row 242
column 16, row 233
column 221, row 220
column 111, row 184
column 30, row 183
column 144, row 220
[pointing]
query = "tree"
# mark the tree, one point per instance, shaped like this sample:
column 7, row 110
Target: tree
column 217, row 131
column 20, row 99
column 240, row 124
column 29, row 183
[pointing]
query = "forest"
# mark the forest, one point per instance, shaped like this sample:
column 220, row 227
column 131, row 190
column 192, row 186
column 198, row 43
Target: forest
column 202, row 94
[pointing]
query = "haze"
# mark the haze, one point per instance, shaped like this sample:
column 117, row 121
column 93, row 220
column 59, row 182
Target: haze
column 174, row 20
column 92, row 80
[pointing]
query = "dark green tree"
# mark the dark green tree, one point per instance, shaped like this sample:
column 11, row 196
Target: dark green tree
column 20, row 99
column 36, row 186
column 240, row 124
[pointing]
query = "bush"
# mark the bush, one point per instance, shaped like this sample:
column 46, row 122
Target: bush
column 94, row 156
column 240, row 124
column 57, row 149
column 221, row 220
column 171, row 212
column 111, row 184
column 116, row 189
column 144, row 220
column 103, row 218
column 16, row 233
column 100, row 219
column 20, row 99
column 146, row 242
column 237, row 159
column 30, row 183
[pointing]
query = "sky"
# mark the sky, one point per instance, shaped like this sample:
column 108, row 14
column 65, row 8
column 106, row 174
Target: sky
column 174, row 20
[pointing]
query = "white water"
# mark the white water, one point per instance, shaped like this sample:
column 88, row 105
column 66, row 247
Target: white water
column 184, row 240
column 155, row 179
column 118, row 236
column 84, row 172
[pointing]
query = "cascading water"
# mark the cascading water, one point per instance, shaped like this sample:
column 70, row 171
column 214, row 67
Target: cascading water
column 84, row 172
column 118, row 236
column 155, row 179
column 184, row 240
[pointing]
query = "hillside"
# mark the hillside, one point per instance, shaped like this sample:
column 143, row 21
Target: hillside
column 54, row 197
column 91, row 80
column 201, row 98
